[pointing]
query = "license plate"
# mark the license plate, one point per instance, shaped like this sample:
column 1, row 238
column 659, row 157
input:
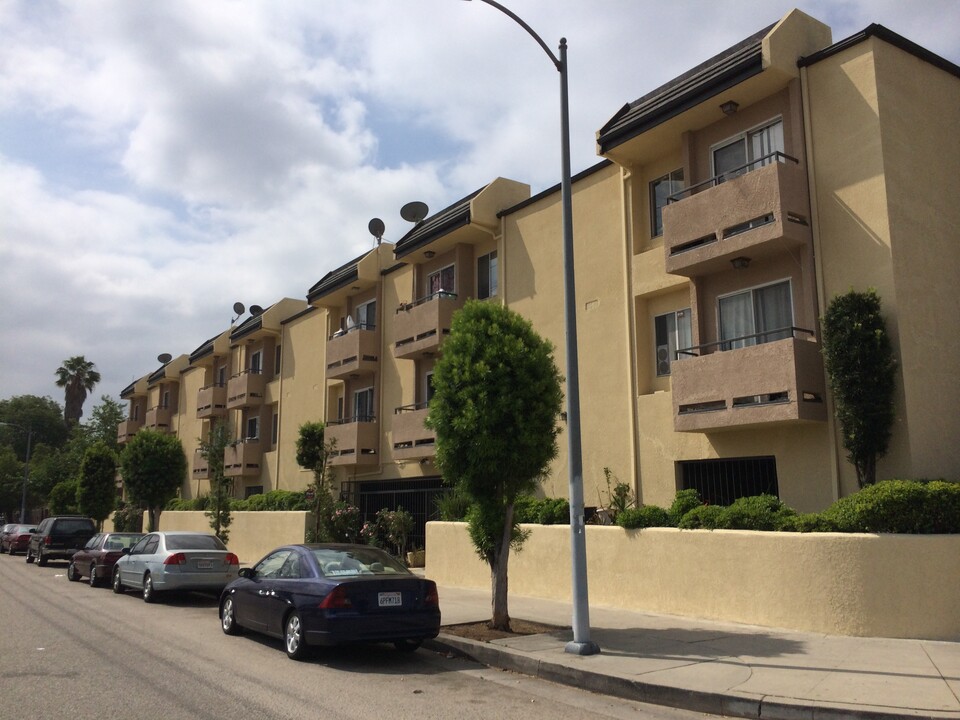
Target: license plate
column 389, row 599
column 204, row 564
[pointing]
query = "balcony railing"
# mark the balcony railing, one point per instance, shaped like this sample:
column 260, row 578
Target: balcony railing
column 212, row 401
column 127, row 429
column 353, row 351
column 411, row 438
column 355, row 440
column 242, row 458
column 757, row 210
column 201, row 466
column 421, row 326
column 158, row 417
column 754, row 380
column 245, row 389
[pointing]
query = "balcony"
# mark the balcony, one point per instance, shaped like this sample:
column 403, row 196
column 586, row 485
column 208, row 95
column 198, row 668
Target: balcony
column 421, row 326
column 353, row 352
column 127, row 429
column 242, row 458
column 212, row 401
column 750, row 212
column 356, row 441
column 245, row 389
column 778, row 382
column 411, row 439
column 159, row 418
column 201, row 466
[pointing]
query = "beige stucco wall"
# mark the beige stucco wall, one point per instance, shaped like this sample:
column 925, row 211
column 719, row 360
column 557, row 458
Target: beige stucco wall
column 861, row 585
column 252, row 534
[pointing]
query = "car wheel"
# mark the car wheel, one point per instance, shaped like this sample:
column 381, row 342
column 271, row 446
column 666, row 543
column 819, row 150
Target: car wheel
column 72, row 574
column 117, row 585
column 407, row 645
column 29, row 556
column 228, row 618
column 41, row 560
column 149, row 594
column 293, row 639
column 93, row 575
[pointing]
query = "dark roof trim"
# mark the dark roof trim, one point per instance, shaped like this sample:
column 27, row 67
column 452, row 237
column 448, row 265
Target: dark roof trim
column 128, row 389
column 334, row 280
column 250, row 325
column 305, row 311
column 887, row 35
column 446, row 221
column 555, row 188
column 710, row 78
column 205, row 349
column 158, row 374
column 392, row 269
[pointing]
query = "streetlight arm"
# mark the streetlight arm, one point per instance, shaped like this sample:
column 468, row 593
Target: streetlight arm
column 517, row 19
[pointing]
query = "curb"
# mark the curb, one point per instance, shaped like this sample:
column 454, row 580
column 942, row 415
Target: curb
column 728, row 704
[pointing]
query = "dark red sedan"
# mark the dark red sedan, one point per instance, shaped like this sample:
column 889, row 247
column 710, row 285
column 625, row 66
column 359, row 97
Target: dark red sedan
column 97, row 558
column 15, row 538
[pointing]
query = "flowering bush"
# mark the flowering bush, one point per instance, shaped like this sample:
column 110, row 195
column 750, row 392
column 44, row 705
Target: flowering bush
column 345, row 523
column 389, row 530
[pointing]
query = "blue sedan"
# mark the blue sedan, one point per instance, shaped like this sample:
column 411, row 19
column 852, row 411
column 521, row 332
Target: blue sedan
column 323, row 595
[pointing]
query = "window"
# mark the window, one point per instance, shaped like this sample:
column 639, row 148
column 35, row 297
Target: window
column 222, row 375
column 256, row 362
column 428, row 387
column 340, row 408
column 252, row 490
column 755, row 316
column 165, row 402
column 275, row 430
column 673, row 332
column 488, row 281
column 276, row 360
column 722, row 481
column 752, row 149
column 253, row 428
column 442, row 281
column 660, row 190
column 367, row 315
column 363, row 405
column 270, row 566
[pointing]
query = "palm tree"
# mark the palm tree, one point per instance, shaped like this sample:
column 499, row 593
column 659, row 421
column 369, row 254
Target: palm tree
column 78, row 377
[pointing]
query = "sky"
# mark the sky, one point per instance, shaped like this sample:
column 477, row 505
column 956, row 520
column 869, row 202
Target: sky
column 160, row 161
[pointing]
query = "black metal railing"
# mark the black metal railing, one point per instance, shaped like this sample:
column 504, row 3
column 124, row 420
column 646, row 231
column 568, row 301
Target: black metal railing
column 354, row 419
column 730, row 344
column 439, row 295
column 357, row 326
column 411, row 408
column 730, row 174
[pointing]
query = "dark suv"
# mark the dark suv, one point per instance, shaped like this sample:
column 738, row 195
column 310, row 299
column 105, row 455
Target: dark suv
column 58, row 538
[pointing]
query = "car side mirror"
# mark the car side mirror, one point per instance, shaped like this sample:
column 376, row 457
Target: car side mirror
column 125, row 551
column 246, row 573
column 32, row 531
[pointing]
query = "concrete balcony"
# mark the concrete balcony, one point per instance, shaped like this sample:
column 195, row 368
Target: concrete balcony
column 212, row 401
column 758, row 213
column 357, row 441
column 245, row 390
column 242, row 459
column 779, row 382
column 201, row 466
column 411, row 438
column 353, row 353
column 420, row 327
column 159, row 418
column 127, row 429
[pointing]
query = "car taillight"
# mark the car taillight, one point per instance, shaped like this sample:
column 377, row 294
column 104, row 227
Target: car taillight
column 432, row 598
column 336, row 599
column 176, row 559
column 231, row 559
column 47, row 540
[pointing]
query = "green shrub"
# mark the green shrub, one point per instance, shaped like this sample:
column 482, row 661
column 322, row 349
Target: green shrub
column 553, row 511
column 188, row 504
column 684, row 502
column 525, row 509
column 805, row 523
column 899, row 506
column 757, row 512
column 644, row 517
column 705, row 517
column 943, row 506
column 452, row 506
column 127, row 518
column 273, row 501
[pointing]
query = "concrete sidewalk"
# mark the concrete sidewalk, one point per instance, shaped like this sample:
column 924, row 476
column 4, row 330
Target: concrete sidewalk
column 720, row 668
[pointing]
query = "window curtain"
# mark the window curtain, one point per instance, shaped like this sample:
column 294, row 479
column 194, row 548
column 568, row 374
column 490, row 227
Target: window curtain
column 736, row 321
column 773, row 310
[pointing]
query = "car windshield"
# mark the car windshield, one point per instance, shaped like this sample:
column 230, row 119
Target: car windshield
column 194, row 542
column 119, row 542
column 357, row 561
column 72, row 526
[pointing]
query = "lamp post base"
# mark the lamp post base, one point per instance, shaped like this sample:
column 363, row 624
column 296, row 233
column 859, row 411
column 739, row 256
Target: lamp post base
column 582, row 648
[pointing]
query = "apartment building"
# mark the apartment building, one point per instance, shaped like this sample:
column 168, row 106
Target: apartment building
column 728, row 207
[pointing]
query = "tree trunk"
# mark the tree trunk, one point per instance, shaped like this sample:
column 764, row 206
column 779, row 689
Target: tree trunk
column 153, row 519
column 498, row 572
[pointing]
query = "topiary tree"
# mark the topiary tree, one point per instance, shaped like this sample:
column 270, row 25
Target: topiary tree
column 96, row 487
column 313, row 453
column 221, row 487
column 153, row 467
column 859, row 361
column 495, row 407
column 62, row 499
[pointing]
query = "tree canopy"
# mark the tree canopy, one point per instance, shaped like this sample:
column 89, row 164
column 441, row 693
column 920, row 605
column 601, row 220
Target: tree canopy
column 153, row 467
column 497, row 398
column 42, row 415
column 77, row 376
column 96, row 487
column 212, row 449
column 862, row 370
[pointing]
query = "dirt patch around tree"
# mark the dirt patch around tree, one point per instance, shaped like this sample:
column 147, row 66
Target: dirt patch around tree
column 482, row 632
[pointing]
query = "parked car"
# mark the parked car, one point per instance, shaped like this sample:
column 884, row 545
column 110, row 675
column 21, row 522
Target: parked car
column 97, row 558
column 16, row 539
column 4, row 531
column 321, row 595
column 166, row 561
column 59, row 537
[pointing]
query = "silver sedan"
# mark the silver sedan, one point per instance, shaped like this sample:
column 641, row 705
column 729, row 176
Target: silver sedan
column 166, row 561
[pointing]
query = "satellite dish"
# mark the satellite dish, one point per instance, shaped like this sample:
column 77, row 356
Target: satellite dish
column 376, row 228
column 238, row 308
column 255, row 309
column 164, row 358
column 414, row 211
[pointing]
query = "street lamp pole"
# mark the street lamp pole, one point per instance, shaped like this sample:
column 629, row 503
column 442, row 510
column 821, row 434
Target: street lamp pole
column 581, row 643
column 26, row 468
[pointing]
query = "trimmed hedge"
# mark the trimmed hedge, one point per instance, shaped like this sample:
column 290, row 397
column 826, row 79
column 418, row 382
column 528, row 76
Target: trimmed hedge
column 643, row 517
column 546, row 511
